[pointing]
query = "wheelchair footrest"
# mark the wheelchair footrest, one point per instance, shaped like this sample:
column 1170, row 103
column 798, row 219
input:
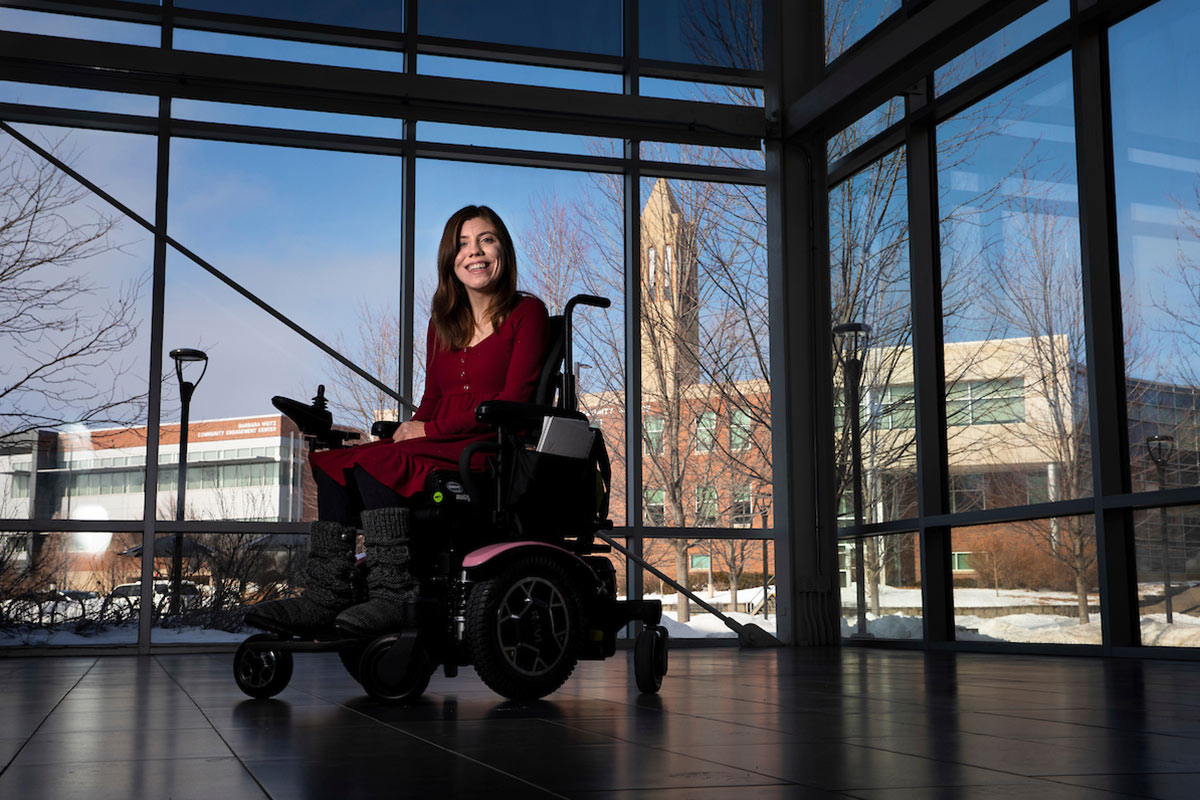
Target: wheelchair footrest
column 303, row 645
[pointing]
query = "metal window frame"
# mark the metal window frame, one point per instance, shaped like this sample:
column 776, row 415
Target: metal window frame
column 168, row 74
column 1083, row 36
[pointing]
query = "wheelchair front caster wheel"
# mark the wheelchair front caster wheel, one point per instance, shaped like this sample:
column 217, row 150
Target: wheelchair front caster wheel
column 395, row 668
column 261, row 672
column 650, row 659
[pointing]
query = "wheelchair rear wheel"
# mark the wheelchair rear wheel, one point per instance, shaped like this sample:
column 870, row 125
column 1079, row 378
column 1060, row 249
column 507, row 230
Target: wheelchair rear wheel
column 262, row 673
column 525, row 628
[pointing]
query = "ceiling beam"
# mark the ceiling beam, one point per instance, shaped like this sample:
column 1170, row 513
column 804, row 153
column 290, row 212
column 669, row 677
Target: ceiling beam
column 234, row 79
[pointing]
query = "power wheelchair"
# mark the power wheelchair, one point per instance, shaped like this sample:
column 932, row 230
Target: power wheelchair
column 512, row 578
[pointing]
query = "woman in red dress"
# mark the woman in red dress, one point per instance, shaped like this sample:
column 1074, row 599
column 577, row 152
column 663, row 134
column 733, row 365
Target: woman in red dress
column 486, row 341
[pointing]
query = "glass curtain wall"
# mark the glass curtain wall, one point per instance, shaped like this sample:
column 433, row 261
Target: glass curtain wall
column 297, row 232
column 1156, row 149
column 1043, row 474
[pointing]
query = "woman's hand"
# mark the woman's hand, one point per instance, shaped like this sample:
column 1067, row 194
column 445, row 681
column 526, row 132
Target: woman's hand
column 409, row 430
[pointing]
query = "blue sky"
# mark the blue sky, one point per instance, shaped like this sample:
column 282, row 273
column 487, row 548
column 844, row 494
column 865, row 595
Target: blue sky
column 315, row 232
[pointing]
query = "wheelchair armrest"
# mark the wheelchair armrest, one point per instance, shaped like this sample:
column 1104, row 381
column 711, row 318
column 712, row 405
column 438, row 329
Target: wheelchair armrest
column 384, row 428
column 524, row 415
column 464, row 467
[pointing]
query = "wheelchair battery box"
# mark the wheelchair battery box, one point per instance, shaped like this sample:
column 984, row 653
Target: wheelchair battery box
column 444, row 487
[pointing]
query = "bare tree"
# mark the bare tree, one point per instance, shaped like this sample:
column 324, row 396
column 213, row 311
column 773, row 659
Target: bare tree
column 65, row 336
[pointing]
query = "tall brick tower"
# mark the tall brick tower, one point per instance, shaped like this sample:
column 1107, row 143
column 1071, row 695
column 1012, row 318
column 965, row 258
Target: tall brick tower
column 670, row 318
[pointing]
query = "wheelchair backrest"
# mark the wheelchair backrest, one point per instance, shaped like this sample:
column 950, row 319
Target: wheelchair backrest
column 550, row 381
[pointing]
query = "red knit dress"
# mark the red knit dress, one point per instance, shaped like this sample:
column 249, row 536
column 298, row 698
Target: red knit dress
column 504, row 366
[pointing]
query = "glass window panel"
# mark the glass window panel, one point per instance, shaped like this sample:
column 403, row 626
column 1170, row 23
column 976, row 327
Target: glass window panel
column 1029, row 581
column 379, row 15
column 720, row 33
column 68, row 588
column 891, row 569
column 861, row 131
column 701, row 92
column 706, row 506
column 288, row 118
column 79, row 27
column 735, row 158
column 593, row 27
column 286, row 50
column 1156, row 143
column 251, row 357
column 735, row 563
column 77, row 306
column 81, row 99
column 309, row 231
column 1009, row 39
column 868, row 230
column 741, row 429
column 219, row 575
column 705, row 340
column 847, row 21
column 1015, row 356
column 567, row 231
column 1167, row 542
column 517, row 139
column 706, row 431
column 506, row 72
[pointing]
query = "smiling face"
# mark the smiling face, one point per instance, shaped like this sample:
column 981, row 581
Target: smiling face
column 479, row 262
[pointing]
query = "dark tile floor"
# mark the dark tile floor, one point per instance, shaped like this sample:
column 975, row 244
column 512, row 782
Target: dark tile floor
column 853, row 723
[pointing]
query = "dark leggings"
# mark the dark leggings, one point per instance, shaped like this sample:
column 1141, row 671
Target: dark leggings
column 337, row 503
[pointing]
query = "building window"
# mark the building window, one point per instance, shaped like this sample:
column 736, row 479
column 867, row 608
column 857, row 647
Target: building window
column 743, row 507
column 739, row 430
column 666, row 278
column 967, row 492
column 897, row 407
column 1037, row 487
column 651, row 272
column 843, row 565
column 706, row 432
column 986, row 402
column 654, row 507
column 699, row 561
column 706, row 507
column 654, row 434
column 961, row 562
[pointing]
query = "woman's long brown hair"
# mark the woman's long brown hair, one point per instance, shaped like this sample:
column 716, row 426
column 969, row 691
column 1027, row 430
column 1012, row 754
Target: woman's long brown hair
column 453, row 320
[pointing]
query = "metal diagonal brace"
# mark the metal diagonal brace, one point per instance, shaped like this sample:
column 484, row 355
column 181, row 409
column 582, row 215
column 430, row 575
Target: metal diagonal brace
column 230, row 282
column 749, row 634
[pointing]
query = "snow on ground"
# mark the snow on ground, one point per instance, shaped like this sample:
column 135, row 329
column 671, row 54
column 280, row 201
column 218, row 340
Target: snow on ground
column 1019, row 626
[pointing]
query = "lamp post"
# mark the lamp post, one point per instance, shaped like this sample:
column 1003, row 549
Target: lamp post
column 182, row 355
column 1161, row 447
column 852, row 339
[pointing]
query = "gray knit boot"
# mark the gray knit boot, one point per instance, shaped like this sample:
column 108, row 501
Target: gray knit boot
column 390, row 582
column 327, row 586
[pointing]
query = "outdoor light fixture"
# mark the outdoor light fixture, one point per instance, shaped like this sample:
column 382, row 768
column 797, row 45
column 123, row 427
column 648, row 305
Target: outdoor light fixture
column 852, row 339
column 1161, row 447
column 183, row 355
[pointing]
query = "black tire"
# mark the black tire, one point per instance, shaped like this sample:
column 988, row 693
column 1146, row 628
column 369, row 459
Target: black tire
column 650, row 659
column 386, row 684
column 262, row 673
column 351, row 658
column 525, row 628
